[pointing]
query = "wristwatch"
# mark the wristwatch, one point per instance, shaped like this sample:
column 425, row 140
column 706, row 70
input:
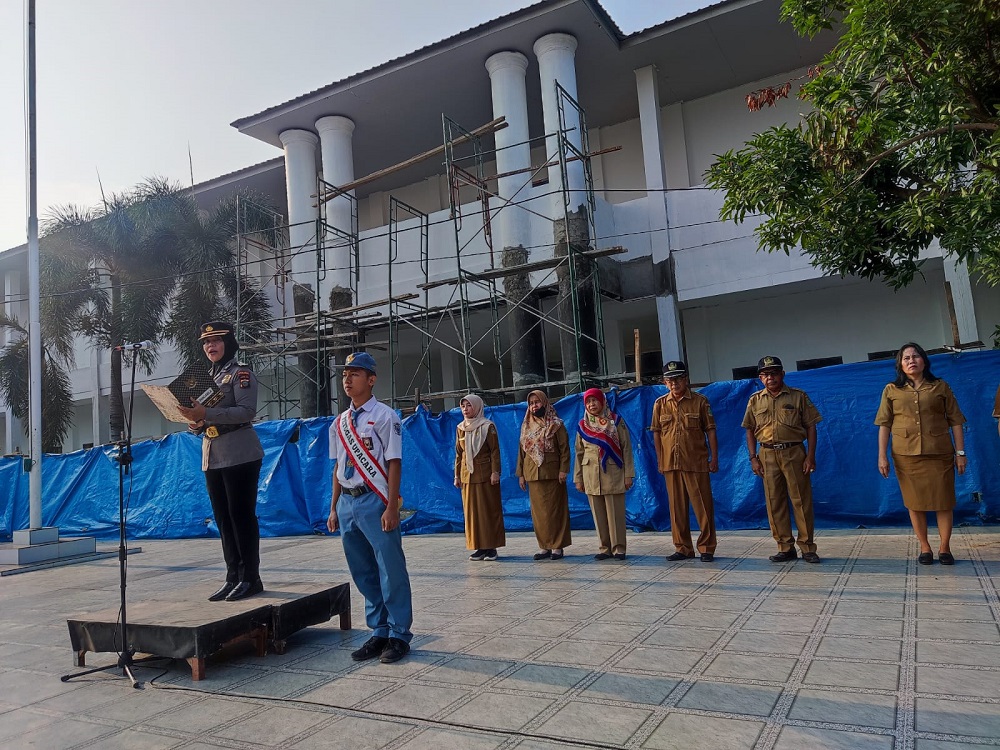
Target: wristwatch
column 960, row 454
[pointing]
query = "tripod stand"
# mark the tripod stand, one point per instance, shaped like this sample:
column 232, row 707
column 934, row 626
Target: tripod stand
column 124, row 460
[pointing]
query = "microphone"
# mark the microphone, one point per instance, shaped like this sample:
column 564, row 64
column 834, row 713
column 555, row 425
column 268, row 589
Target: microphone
column 134, row 347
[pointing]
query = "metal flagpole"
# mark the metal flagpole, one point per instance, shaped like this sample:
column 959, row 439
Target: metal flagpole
column 34, row 314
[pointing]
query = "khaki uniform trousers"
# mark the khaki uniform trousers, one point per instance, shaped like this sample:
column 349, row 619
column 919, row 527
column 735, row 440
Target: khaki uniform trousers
column 687, row 489
column 784, row 481
column 609, row 519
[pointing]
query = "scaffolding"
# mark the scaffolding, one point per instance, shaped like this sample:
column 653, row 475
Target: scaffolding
column 299, row 355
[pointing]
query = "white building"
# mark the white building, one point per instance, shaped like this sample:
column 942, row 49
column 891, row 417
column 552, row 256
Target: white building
column 671, row 96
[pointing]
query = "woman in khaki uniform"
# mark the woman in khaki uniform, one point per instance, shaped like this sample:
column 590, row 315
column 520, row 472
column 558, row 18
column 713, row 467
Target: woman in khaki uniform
column 918, row 410
column 477, row 473
column 604, row 470
column 543, row 463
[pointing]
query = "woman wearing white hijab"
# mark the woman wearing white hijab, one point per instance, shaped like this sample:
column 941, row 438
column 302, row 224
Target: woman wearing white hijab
column 477, row 473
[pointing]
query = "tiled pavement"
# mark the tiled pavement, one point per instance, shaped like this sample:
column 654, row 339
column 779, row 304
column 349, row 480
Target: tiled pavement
column 867, row 650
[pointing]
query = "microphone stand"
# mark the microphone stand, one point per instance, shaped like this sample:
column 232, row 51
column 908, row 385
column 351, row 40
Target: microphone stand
column 124, row 459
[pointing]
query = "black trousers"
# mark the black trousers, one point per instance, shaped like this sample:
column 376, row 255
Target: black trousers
column 233, row 492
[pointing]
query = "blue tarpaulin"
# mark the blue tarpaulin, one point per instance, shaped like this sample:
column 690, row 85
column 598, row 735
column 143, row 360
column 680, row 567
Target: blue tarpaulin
column 166, row 497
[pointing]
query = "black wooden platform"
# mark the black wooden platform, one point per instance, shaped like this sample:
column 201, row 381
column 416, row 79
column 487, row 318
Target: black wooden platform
column 184, row 625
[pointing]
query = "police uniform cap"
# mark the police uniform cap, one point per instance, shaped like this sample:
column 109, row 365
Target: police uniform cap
column 362, row 360
column 674, row 369
column 769, row 363
column 215, row 328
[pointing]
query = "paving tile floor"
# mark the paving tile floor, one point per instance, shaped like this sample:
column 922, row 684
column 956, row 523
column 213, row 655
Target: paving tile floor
column 867, row 650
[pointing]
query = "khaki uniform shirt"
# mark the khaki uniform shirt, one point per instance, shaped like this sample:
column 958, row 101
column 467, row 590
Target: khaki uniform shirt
column 679, row 427
column 484, row 464
column 238, row 406
column 554, row 462
column 587, row 468
column 920, row 419
column 784, row 418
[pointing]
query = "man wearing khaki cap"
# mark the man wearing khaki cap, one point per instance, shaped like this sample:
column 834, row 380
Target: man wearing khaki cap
column 781, row 419
column 686, row 451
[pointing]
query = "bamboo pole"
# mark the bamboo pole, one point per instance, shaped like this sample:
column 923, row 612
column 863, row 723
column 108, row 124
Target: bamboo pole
column 638, row 365
column 491, row 127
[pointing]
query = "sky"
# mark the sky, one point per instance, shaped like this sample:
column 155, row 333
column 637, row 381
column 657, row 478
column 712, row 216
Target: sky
column 126, row 89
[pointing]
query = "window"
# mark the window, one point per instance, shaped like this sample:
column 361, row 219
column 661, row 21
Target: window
column 745, row 373
column 814, row 364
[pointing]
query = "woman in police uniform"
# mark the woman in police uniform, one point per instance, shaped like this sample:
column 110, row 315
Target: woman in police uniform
column 231, row 458
column 918, row 410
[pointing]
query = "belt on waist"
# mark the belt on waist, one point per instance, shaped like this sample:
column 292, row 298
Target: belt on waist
column 779, row 446
column 357, row 491
column 222, row 429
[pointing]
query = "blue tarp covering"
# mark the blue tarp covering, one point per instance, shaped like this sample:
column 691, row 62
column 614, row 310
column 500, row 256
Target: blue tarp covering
column 166, row 494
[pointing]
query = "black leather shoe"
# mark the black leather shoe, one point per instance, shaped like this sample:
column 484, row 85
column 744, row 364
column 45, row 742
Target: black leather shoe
column 810, row 557
column 543, row 555
column 784, row 556
column 245, row 589
column 394, row 650
column 678, row 556
column 619, row 555
column 221, row 594
column 372, row 647
column 707, row 557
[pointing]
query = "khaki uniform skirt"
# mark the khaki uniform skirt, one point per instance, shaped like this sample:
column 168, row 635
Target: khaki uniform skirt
column 927, row 482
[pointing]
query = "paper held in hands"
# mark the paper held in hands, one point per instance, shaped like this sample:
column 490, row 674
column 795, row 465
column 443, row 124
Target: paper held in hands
column 195, row 382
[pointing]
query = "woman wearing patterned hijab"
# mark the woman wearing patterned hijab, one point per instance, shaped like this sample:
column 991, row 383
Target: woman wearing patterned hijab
column 543, row 463
column 477, row 473
column 604, row 470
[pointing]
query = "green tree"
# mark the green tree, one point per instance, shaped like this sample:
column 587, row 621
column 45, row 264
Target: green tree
column 901, row 145
column 149, row 265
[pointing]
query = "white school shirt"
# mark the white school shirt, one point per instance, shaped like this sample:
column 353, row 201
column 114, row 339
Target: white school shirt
column 380, row 430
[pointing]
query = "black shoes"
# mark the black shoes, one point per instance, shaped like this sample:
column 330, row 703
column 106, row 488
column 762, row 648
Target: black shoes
column 373, row 647
column 388, row 650
column 223, row 592
column 543, row 555
column 709, row 557
column 619, row 555
column 946, row 558
column 244, row 589
column 679, row 556
column 479, row 555
column 785, row 556
column 810, row 557
column 394, row 650
column 602, row 556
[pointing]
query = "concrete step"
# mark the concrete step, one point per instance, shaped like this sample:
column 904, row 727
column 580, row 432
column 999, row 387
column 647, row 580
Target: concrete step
column 25, row 554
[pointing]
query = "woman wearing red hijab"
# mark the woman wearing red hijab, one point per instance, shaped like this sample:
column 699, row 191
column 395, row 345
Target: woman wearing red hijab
column 604, row 470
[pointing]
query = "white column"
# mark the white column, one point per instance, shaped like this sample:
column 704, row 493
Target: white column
column 667, row 314
column 556, row 64
column 335, row 137
column 300, row 184
column 510, row 101
column 956, row 273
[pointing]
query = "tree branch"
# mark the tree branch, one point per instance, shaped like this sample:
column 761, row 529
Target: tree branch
column 990, row 126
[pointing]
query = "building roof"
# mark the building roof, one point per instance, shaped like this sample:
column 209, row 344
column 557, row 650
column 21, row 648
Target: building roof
column 397, row 106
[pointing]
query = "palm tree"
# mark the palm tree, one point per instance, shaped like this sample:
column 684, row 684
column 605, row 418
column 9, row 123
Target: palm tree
column 68, row 291
column 153, row 266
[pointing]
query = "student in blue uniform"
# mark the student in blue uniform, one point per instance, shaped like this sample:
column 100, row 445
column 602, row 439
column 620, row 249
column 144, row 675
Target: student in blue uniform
column 366, row 442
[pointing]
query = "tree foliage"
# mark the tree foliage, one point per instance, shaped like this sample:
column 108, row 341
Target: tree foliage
column 901, row 145
column 147, row 264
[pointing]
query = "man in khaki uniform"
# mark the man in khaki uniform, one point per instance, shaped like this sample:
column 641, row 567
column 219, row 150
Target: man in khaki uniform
column 682, row 420
column 780, row 419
